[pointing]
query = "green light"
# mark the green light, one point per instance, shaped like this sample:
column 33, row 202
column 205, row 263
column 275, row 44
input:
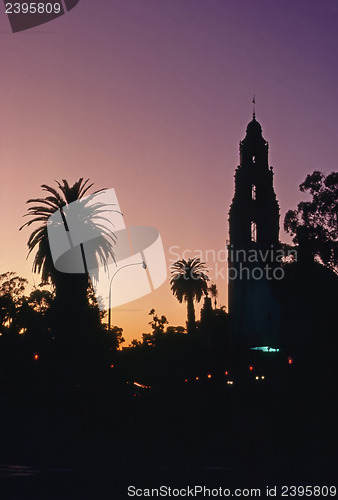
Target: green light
column 264, row 349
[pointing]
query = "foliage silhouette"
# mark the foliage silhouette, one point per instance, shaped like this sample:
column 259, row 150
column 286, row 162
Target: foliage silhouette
column 115, row 336
column 214, row 293
column 188, row 283
column 157, row 324
column 71, row 290
column 12, row 289
column 314, row 224
column 40, row 300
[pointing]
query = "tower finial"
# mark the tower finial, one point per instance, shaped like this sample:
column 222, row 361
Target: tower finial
column 254, row 107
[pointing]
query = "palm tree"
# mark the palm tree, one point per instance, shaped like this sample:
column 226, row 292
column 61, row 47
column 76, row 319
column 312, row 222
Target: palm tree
column 71, row 290
column 188, row 283
column 214, row 293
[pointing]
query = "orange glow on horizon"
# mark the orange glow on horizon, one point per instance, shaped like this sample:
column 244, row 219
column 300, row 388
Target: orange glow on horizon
column 160, row 131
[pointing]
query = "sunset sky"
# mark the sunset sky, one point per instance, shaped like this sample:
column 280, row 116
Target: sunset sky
column 151, row 97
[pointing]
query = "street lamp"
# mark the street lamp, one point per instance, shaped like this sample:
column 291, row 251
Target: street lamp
column 143, row 264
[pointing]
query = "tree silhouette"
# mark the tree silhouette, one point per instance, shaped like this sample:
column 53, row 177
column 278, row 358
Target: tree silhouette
column 115, row 336
column 157, row 324
column 188, row 283
column 214, row 293
column 314, row 225
column 71, row 290
column 12, row 289
column 40, row 300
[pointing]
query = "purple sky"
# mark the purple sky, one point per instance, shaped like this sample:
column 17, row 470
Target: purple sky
column 152, row 97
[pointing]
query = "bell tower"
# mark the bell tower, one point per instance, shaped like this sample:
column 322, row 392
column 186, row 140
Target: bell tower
column 254, row 243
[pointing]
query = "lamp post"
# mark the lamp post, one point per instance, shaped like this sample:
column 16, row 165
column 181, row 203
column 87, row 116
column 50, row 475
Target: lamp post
column 143, row 264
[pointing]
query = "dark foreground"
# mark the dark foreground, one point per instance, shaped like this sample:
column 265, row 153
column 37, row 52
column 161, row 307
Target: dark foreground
column 93, row 441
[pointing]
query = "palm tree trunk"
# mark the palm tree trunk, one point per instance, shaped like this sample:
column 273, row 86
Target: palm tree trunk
column 191, row 323
column 71, row 302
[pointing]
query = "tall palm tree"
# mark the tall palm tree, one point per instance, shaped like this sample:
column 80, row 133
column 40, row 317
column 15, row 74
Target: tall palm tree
column 214, row 293
column 188, row 283
column 70, row 289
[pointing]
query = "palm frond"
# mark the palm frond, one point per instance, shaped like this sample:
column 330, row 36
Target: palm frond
column 91, row 214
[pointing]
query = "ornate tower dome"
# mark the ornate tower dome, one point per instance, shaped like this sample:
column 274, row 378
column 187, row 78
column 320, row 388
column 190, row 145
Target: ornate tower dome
column 254, row 128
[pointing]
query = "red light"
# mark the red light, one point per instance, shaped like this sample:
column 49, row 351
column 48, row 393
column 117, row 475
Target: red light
column 111, row 366
column 251, row 368
column 197, row 378
column 36, row 357
column 226, row 373
column 290, row 360
column 209, row 375
column 186, row 380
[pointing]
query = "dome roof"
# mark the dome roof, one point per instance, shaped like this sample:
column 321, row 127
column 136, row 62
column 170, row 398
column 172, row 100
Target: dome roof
column 254, row 128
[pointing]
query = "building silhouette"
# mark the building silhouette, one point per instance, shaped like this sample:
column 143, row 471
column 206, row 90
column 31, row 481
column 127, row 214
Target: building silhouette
column 253, row 250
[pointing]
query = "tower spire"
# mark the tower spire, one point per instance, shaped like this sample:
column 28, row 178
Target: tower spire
column 254, row 107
